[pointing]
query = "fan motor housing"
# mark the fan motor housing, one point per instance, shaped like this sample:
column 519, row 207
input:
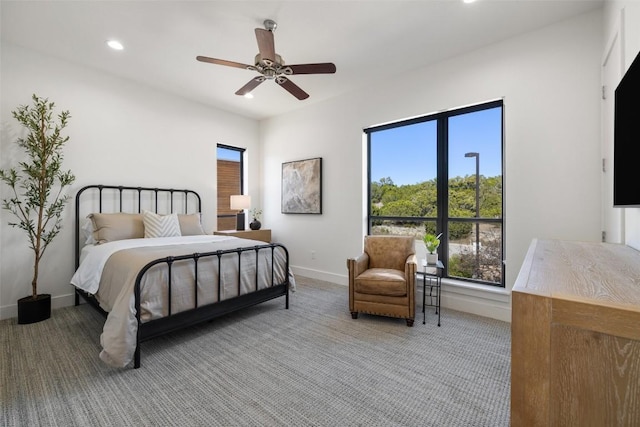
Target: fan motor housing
column 268, row 68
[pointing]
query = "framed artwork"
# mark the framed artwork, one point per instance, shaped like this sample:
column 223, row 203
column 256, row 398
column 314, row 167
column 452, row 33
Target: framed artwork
column 302, row 186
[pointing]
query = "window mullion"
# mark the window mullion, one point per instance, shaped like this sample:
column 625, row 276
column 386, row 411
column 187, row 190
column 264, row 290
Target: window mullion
column 442, row 225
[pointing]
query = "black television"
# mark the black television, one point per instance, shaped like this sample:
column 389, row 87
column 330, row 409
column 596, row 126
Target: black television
column 626, row 139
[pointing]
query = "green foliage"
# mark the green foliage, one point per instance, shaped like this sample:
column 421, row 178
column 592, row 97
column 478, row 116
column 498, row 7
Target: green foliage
column 459, row 230
column 421, row 196
column 430, row 227
column 38, row 183
column 485, row 265
column 420, row 200
column 400, row 208
column 491, row 201
column 432, row 242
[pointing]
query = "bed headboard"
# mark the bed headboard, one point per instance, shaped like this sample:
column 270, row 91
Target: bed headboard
column 130, row 199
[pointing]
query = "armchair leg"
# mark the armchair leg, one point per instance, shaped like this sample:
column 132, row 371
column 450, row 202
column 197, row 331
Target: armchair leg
column 409, row 322
column 354, row 314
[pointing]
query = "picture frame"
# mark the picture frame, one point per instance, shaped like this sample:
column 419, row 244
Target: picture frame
column 302, row 186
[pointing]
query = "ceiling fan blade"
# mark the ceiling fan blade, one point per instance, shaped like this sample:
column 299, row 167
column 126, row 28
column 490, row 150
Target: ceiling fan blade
column 265, row 44
column 225, row 62
column 253, row 83
column 323, row 68
column 292, row 88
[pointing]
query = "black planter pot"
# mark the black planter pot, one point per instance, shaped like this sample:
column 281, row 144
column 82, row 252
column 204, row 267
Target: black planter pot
column 255, row 224
column 32, row 310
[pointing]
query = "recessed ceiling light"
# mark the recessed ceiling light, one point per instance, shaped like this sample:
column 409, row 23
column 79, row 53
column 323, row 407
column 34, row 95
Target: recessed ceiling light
column 248, row 95
column 469, row 1
column 115, row 44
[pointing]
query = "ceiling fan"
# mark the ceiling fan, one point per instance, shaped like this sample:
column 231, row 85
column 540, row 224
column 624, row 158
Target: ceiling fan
column 271, row 66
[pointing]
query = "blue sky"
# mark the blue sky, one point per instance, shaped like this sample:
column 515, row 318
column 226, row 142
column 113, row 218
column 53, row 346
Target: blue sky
column 407, row 154
column 226, row 154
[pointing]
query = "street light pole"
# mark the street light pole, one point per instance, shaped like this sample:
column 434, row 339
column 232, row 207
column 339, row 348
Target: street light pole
column 477, row 156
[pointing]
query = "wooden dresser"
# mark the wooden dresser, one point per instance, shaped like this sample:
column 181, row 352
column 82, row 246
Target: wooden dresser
column 575, row 336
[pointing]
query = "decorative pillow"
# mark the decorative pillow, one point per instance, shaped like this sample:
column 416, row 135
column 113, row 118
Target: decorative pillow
column 160, row 225
column 190, row 225
column 109, row 227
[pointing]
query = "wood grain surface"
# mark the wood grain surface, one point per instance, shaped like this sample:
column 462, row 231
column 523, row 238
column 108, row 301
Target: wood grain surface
column 575, row 358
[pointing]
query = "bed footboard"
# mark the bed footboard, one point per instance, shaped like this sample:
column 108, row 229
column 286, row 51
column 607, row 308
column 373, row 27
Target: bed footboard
column 200, row 313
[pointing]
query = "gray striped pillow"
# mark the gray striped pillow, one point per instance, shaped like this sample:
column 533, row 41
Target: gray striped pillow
column 160, row 225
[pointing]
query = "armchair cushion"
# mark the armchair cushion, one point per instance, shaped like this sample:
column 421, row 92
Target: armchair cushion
column 381, row 281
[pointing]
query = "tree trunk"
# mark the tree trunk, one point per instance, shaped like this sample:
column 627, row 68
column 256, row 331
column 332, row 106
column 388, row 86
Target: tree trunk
column 34, row 281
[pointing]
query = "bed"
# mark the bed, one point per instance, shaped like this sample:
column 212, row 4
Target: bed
column 143, row 260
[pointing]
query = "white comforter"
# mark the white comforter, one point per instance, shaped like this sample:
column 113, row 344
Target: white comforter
column 94, row 257
column 109, row 270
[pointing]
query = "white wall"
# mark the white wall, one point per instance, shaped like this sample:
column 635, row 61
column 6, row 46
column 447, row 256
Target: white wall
column 120, row 133
column 624, row 17
column 550, row 82
column 549, row 79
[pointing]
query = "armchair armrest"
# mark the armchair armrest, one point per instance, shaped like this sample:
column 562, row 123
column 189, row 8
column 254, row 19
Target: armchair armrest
column 359, row 264
column 410, row 269
column 410, row 279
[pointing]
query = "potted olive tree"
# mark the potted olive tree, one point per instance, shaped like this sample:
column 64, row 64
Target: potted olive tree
column 37, row 198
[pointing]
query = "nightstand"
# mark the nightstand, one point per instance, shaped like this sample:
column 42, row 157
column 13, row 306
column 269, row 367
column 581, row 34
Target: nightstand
column 262, row 234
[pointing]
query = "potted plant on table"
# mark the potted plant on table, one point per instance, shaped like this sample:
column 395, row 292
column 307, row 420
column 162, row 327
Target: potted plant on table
column 37, row 199
column 255, row 214
column 432, row 242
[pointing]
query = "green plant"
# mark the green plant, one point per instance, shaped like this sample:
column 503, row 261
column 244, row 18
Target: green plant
column 432, row 242
column 36, row 202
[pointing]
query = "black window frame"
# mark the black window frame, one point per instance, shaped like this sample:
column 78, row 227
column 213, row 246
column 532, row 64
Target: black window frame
column 442, row 182
column 241, row 151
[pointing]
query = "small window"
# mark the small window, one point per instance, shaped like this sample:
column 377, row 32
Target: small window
column 230, row 173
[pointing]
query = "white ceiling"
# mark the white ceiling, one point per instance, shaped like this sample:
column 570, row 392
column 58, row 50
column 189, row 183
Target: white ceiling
column 369, row 41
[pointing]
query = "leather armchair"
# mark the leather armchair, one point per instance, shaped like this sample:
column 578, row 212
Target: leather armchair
column 382, row 279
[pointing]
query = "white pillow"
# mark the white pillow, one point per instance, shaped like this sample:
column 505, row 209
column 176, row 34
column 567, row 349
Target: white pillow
column 160, row 225
column 87, row 231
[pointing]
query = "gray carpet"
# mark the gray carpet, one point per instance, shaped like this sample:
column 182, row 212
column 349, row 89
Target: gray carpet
column 311, row 365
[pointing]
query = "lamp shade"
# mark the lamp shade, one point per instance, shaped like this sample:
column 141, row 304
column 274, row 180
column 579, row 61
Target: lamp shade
column 240, row 202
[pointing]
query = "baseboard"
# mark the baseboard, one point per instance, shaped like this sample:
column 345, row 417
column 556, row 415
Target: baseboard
column 321, row 275
column 9, row 311
column 493, row 303
column 478, row 306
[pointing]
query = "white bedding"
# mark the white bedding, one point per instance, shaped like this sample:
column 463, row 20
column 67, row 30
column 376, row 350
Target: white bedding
column 109, row 270
column 94, row 257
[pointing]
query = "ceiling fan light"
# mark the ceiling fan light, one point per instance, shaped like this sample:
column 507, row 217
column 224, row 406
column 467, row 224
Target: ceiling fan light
column 115, row 44
column 248, row 95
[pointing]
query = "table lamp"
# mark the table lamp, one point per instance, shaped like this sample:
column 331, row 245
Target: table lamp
column 240, row 203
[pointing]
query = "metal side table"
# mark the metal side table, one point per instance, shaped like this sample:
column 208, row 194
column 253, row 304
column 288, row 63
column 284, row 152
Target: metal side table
column 431, row 277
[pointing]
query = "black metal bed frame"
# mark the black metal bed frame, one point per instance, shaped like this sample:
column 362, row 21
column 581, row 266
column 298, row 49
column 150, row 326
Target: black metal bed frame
column 173, row 322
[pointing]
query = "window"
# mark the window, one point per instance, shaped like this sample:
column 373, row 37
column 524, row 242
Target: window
column 442, row 173
column 230, row 172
